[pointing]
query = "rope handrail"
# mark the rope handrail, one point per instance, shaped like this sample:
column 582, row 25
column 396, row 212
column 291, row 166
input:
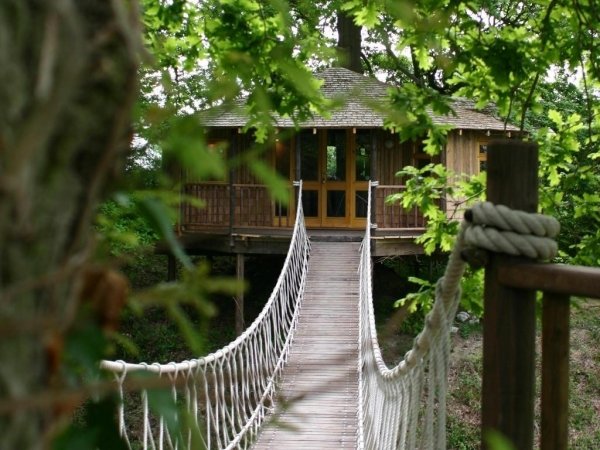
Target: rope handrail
column 390, row 399
column 406, row 404
column 237, row 382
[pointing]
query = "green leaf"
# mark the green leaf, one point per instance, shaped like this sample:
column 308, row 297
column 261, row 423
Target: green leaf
column 555, row 117
column 157, row 215
column 278, row 186
column 497, row 441
column 97, row 429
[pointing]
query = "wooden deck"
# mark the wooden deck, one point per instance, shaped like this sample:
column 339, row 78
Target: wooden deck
column 317, row 405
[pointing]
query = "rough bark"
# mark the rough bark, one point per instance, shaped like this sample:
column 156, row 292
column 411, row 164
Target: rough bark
column 67, row 86
column 349, row 42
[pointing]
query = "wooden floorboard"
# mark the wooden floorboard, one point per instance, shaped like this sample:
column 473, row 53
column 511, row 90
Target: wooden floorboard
column 317, row 402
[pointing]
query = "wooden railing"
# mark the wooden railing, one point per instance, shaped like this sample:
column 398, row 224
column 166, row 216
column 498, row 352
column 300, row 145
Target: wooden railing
column 248, row 206
column 393, row 215
column 252, row 206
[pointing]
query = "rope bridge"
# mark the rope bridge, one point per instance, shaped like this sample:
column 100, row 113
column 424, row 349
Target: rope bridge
column 229, row 394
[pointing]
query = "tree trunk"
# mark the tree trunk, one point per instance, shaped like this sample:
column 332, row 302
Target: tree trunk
column 67, row 87
column 349, row 42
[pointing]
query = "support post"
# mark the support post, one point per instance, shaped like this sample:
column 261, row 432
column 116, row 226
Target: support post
column 555, row 371
column 509, row 313
column 171, row 268
column 373, row 177
column 234, row 152
column 239, row 299
column 298, row 155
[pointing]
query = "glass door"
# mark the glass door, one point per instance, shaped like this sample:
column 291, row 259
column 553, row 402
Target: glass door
column 310, row 173
column 334, row 179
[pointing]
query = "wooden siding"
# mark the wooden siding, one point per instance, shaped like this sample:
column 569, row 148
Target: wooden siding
column 462, row 158
column 392, row 156
column 462, row 151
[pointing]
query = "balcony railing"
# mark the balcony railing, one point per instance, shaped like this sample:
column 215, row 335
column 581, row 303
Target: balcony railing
column 251, row 206
column 393, row 215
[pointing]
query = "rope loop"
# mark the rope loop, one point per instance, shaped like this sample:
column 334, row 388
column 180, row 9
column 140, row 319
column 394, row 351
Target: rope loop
column 121, row 376
column 500, row 229
column 504, row 218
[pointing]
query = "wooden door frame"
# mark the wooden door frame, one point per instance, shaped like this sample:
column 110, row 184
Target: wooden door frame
column 326, row 185
column 350, row 221
column 356, row 185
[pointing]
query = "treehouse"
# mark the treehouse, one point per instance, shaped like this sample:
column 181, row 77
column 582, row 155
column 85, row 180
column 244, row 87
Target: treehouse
column 335, row 158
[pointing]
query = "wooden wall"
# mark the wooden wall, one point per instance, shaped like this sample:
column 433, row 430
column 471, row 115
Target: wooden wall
column 462, row 151
column 462, row 158
column 392, row 156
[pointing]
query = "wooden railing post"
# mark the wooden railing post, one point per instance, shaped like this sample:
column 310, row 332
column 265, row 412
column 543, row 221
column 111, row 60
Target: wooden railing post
column 558, row 282
column 509, row 313
column 233, row 153
column 555, row 371
column 298, row 156
column 373, row 178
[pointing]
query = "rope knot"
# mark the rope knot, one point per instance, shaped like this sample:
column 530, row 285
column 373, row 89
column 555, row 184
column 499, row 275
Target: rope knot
column 503, row 230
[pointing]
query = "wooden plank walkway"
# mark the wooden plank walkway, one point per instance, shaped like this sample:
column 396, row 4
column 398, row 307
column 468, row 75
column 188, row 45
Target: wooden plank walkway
column 317, row 406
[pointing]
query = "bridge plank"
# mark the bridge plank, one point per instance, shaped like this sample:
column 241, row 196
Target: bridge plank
column 317, row 403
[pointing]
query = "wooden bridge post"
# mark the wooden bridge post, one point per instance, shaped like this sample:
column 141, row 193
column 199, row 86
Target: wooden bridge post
column 509, row 313
column 171, row 267
column 555, row 371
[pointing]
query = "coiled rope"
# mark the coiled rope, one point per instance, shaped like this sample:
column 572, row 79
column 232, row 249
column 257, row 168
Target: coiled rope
column 502, row 230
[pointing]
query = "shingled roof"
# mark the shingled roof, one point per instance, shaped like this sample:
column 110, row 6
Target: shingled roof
column 358, row 92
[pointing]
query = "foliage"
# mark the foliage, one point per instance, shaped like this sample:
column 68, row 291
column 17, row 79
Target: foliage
column 569, row 169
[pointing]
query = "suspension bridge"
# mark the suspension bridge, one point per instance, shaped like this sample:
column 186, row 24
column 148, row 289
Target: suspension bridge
column 308, row 372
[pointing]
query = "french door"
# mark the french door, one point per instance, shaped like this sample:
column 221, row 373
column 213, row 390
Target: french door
column 332, row 194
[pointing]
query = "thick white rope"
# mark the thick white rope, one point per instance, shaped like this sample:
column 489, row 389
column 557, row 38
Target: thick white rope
column 502, row 230
column 404, row 407
column 228, row 393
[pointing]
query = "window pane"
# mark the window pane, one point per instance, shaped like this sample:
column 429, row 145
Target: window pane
column 362, row 168
column 310, row 203
column 282, row 159
column 336, row 203
column 361, row 199
column 482, row 157
column 336, row 155
column 309, row 155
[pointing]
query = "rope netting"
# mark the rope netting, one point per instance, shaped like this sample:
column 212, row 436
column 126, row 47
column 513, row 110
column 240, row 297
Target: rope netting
column 404, row 407
column 225, row 395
